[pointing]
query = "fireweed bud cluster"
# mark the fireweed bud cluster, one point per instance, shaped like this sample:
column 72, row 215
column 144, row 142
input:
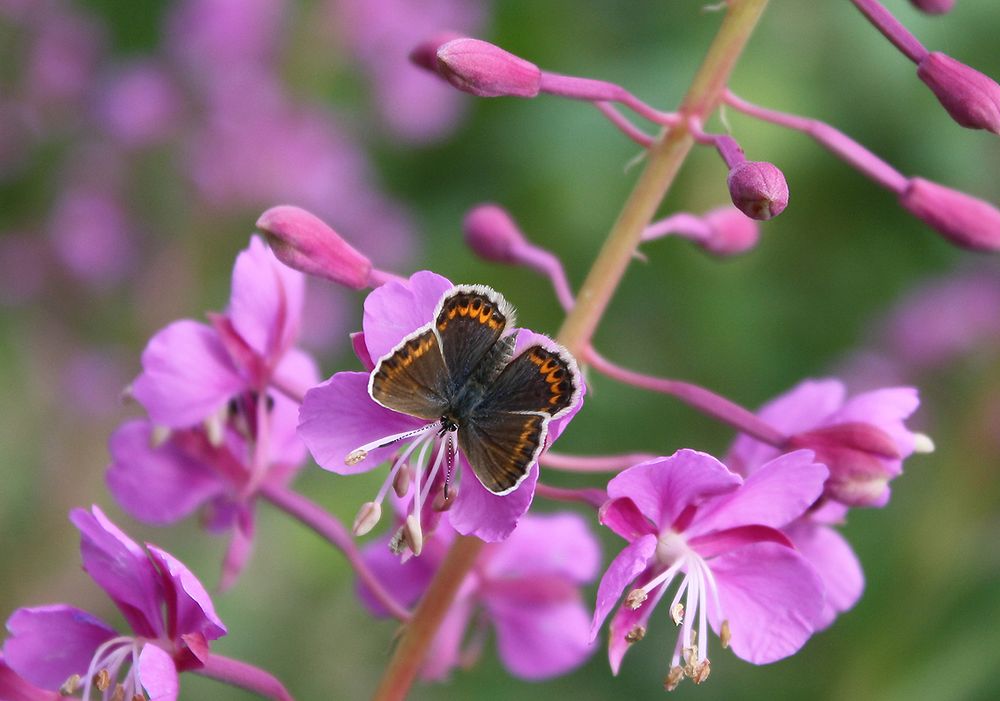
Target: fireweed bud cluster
column 456, row 408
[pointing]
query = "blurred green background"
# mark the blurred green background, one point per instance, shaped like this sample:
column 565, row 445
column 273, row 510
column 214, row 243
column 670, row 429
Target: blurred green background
column 812, row 293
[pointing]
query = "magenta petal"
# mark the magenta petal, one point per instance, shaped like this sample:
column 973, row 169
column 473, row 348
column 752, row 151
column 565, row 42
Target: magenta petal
column 478, row 511
column 361, row 351
column 771, row 597
column 835, row 562
column 186, row 375
column 286, row 447
column 266, row 302
column 629, row 563
column 398, row 308
column 339, row 416
column 627, row 619
column 549, row 544
column 13, row 687
column 191, row 605
column 156, row 485
column 774, row 495
column 886, row 409
column 122, row 569
column 541, row 641
column 158, row 674
column 624, row 518
column 803, row 407
column 663, row 487
column 49, row 644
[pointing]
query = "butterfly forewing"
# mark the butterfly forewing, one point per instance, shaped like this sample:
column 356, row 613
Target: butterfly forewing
column 469, row 324
column 539, row 379
column 500, row 448
column 412, row 378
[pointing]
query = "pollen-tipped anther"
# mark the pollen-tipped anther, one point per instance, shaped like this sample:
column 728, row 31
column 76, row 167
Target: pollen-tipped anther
column 368, row 516
column 102, row 680
column 636, row 634
column 674, row 677
column 413, row 534
column 355, row 456
column 725, row 635
column 677, row 613
column 635, row 598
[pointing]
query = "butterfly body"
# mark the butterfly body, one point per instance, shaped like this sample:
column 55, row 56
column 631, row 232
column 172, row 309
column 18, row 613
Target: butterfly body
column 461, row 370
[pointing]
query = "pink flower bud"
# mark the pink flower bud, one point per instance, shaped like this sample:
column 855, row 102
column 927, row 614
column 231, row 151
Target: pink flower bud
column 730, row 232
column 492, row 233
column 424, row 54
column 934, row 7
column 861, row 459
column 486, row 70
column 964, row 220
column 304, row 242
column 758, row 189
column 971, row 98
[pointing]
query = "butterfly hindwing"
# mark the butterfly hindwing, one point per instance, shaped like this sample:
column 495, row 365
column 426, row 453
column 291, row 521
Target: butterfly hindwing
column 539, row 379
column 502, row 446
column 412, row 378
column 470, row 321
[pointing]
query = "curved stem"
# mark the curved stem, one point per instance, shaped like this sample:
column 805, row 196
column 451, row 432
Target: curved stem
column 665, row 159
column 245, row 676
column 624, row 125
column 698, row 397
column 892, row 29
column 592, row 463
column 334, row 532
column 591, row 495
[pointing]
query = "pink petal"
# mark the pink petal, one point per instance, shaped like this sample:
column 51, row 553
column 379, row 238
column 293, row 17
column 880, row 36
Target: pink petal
column 158, row 674
column 478, row 511
column 774, row 495
column 157, row 485
column 239, row 551
column 663, row 487
column 15, row 688
column 188, row 602
column 406, row 580
column 122, row 569
column 550, row 544
column 629, row 563
column 286, row 446
column 396, row 309
column 49, row 644
column 835, row 562
column 886, row 409
column 771, row 597
column 266, row 302
column 541, row 641
column 627, row 619
column 361, row 350
column 187, row 375
column 803, row 407
column 624, row 518
column 719, row 542
column 339, row 416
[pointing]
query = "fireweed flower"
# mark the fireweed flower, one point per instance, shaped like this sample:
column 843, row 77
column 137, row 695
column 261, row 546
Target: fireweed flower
column 688, row 517
column 171, row 615
column 823, row 403
column 193, row 371
column 527, row 588
column 862, row 440
column 339, row 416
column 163, row 481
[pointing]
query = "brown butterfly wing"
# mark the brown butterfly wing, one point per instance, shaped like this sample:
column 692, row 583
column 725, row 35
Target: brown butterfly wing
column 539, row 379
column 412, row 378
column 470, row 321
column 501, row 448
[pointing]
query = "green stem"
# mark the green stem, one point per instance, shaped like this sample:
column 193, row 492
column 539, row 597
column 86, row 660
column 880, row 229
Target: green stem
column 665, row 159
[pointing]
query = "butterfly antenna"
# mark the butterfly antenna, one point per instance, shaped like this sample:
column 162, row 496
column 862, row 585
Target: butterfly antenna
column 451, row 465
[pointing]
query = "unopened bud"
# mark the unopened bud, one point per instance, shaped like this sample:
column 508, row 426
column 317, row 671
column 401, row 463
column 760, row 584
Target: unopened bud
column 730, row 232
column 859, row 457
column 934, row 7
column 635, row 598
column 758, row 189
column 971, row 98
column 304, row 242
column 492, row 233
column 424, row 54
column 964, row 220
column 413, row 534
column 486, row 70
column 368, row 515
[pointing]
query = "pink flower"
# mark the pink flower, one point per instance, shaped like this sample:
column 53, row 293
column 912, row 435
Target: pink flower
column 169, row 611
column 191, row 371
column 689, row 517
column 862, row 440
column 527, row 587
column 163, row 481
column 340, row 416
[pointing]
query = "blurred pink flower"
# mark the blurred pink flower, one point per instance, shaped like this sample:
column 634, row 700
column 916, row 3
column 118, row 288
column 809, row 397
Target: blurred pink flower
column 91, row 235
column 139, row 104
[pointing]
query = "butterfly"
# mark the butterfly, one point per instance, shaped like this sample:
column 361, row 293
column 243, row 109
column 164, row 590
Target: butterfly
column 460, row 370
